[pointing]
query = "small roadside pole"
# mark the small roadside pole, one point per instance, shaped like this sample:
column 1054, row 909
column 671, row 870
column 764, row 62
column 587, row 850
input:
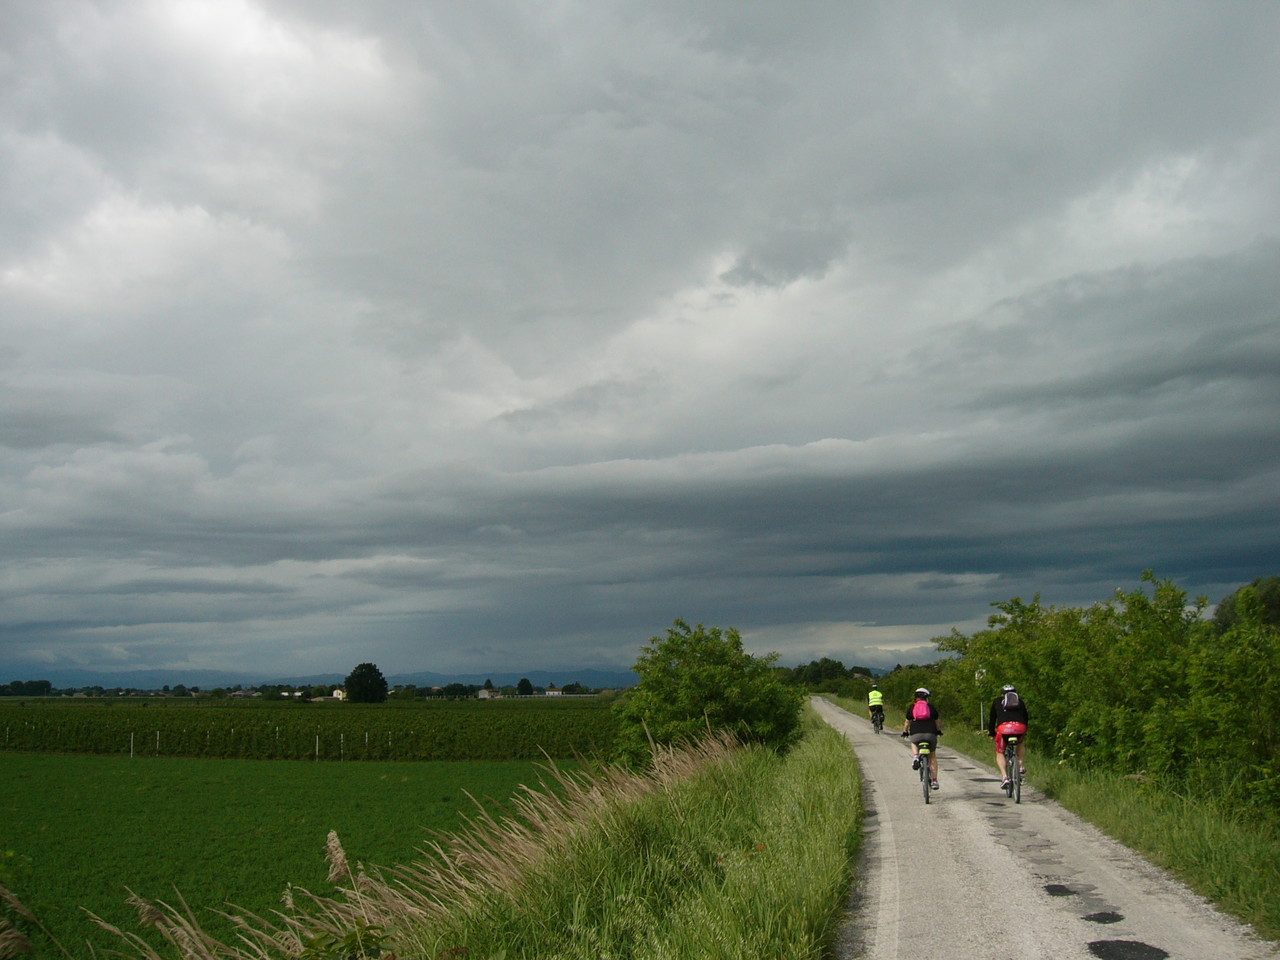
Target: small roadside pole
column 977, row 683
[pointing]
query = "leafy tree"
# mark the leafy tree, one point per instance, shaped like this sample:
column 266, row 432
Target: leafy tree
column 366, row 684
column 524, row 688
column 1266, row 591
column 700, row 678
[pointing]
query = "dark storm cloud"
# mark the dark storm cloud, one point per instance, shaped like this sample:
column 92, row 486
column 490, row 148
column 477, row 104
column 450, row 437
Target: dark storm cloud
column 472, row 337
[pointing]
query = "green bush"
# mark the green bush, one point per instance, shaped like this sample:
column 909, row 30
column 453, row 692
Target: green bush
column 1139, row 683
column 700, row 679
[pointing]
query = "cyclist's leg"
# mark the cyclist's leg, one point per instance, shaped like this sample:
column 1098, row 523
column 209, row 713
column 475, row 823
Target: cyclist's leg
column 932, row 740
column 1000, row 764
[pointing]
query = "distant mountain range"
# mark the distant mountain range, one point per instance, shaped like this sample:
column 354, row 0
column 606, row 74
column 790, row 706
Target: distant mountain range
column 210, row 679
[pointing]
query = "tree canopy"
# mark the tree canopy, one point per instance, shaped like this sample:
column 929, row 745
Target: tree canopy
column 700, row 678
column 366, row 684
column 1267, row 592
column 1138, row 682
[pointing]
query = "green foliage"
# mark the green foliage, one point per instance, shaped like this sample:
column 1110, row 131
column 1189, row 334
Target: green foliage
column 1267, row 592
column 290, row 730
column 700, row 678
column 830, row 676
column 362, row 941
column 365, row 684
column 1137, row 683
column 27, row 688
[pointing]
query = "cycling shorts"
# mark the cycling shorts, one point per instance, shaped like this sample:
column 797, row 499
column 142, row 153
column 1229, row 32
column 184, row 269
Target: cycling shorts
column 877, row 708
column 1009, row 728
column 930, row 738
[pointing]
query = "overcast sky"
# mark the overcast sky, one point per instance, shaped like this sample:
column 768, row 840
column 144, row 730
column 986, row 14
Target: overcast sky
column 499, row 335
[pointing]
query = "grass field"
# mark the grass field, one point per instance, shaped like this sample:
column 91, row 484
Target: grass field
column 509, row 729
column 83, row 828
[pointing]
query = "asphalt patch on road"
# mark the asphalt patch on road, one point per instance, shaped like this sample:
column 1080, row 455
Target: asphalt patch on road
column 1060, row 890
column 1104, row 916
column 1125, row 950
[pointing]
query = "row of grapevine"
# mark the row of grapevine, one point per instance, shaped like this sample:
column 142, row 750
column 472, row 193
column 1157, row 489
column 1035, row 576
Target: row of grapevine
column 463, row 734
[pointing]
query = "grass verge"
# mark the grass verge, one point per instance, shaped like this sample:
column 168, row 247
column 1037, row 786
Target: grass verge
column 1230, row 858
column 720, row 852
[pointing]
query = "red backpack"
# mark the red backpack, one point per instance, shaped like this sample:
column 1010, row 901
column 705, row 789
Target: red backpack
column 921, row 710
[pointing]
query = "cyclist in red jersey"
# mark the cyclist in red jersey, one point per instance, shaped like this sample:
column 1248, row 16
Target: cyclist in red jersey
column 1008, row 717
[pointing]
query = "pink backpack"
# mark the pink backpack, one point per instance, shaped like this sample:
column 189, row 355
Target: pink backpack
column 921, row 711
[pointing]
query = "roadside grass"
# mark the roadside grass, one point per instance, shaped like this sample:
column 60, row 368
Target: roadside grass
column 720, row 851
column 76, row 831
column 1230, row 858
column 748, row 857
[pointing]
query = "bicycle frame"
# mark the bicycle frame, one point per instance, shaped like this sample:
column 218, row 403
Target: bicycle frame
column 923, row 753
column 1012, row 768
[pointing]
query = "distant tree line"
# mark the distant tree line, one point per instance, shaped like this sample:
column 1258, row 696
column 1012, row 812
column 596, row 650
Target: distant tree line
column 830, row 676
column 365, row 684
column 27, row 688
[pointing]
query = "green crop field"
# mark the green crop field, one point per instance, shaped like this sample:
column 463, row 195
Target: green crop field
column 80, row 829
column 253, row 729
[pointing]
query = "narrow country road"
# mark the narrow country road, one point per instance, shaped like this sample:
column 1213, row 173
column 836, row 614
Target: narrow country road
column 974, row 876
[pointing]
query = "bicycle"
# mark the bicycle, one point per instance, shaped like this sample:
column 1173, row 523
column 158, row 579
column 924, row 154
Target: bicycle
column 1012, row 786
column 877, row 720
column 925, row 782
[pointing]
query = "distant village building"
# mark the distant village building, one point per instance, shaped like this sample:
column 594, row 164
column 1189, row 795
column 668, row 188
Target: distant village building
column 554, row 691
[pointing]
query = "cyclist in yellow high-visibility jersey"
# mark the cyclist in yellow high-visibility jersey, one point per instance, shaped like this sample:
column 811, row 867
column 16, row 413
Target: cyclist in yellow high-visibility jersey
column 875, row 703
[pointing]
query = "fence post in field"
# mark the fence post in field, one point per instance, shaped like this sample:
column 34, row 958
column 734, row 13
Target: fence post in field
column 130, row 746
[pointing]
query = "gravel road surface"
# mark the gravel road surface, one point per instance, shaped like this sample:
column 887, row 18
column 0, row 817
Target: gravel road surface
column 973, row 875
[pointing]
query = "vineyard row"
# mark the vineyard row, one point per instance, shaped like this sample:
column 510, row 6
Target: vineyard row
column 435, row 736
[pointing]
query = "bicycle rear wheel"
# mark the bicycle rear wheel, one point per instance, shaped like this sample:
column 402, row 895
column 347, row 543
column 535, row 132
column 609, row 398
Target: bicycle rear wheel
column 1015, row 778
column 1010, row 769
column 924, row 776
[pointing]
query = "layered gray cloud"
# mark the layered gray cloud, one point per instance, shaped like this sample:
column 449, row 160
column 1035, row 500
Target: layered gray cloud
column 462, row 337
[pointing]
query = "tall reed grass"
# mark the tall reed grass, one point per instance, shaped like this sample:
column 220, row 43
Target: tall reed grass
column 719, row 851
